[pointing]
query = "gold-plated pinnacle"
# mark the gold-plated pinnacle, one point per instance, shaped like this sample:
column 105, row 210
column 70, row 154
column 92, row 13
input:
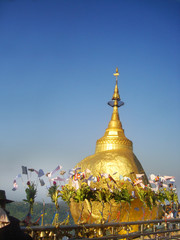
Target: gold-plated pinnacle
column 116, row 91
column 116, row 74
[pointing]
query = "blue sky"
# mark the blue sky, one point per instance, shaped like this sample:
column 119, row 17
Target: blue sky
column 57, row 60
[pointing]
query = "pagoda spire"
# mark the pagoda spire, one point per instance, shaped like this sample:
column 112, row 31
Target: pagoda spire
column 114, row 137
column 116, row 91
column 115, row 103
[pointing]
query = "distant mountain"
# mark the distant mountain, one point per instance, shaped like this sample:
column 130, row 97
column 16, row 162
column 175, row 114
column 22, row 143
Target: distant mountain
column 20, row 211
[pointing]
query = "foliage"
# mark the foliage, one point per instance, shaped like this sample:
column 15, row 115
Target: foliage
column 81, row 194
column 67, row 193
column 31, row 192
column 171, row 196
column 101, row 195
column 108, row 189
column 122, row 195
column 148, row 197
column 161, row 196
column 54, row 194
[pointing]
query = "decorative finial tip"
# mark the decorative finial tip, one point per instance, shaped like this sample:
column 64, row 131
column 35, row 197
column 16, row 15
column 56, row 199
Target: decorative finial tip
column 117, row 72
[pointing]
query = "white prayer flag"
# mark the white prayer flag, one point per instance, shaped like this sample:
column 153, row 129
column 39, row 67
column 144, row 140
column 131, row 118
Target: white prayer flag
column 168, row 177
column 55, row 170
column 139, row 175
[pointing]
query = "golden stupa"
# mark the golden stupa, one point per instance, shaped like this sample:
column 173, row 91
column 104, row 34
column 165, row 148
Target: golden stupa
column 114, row 153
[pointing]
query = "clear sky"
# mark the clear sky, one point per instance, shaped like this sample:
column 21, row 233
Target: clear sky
column 57, row 59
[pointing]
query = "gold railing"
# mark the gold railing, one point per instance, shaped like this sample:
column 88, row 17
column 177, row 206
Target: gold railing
column 155, row 229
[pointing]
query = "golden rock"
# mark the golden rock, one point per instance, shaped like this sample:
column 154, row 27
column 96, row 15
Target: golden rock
column 114, row 153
